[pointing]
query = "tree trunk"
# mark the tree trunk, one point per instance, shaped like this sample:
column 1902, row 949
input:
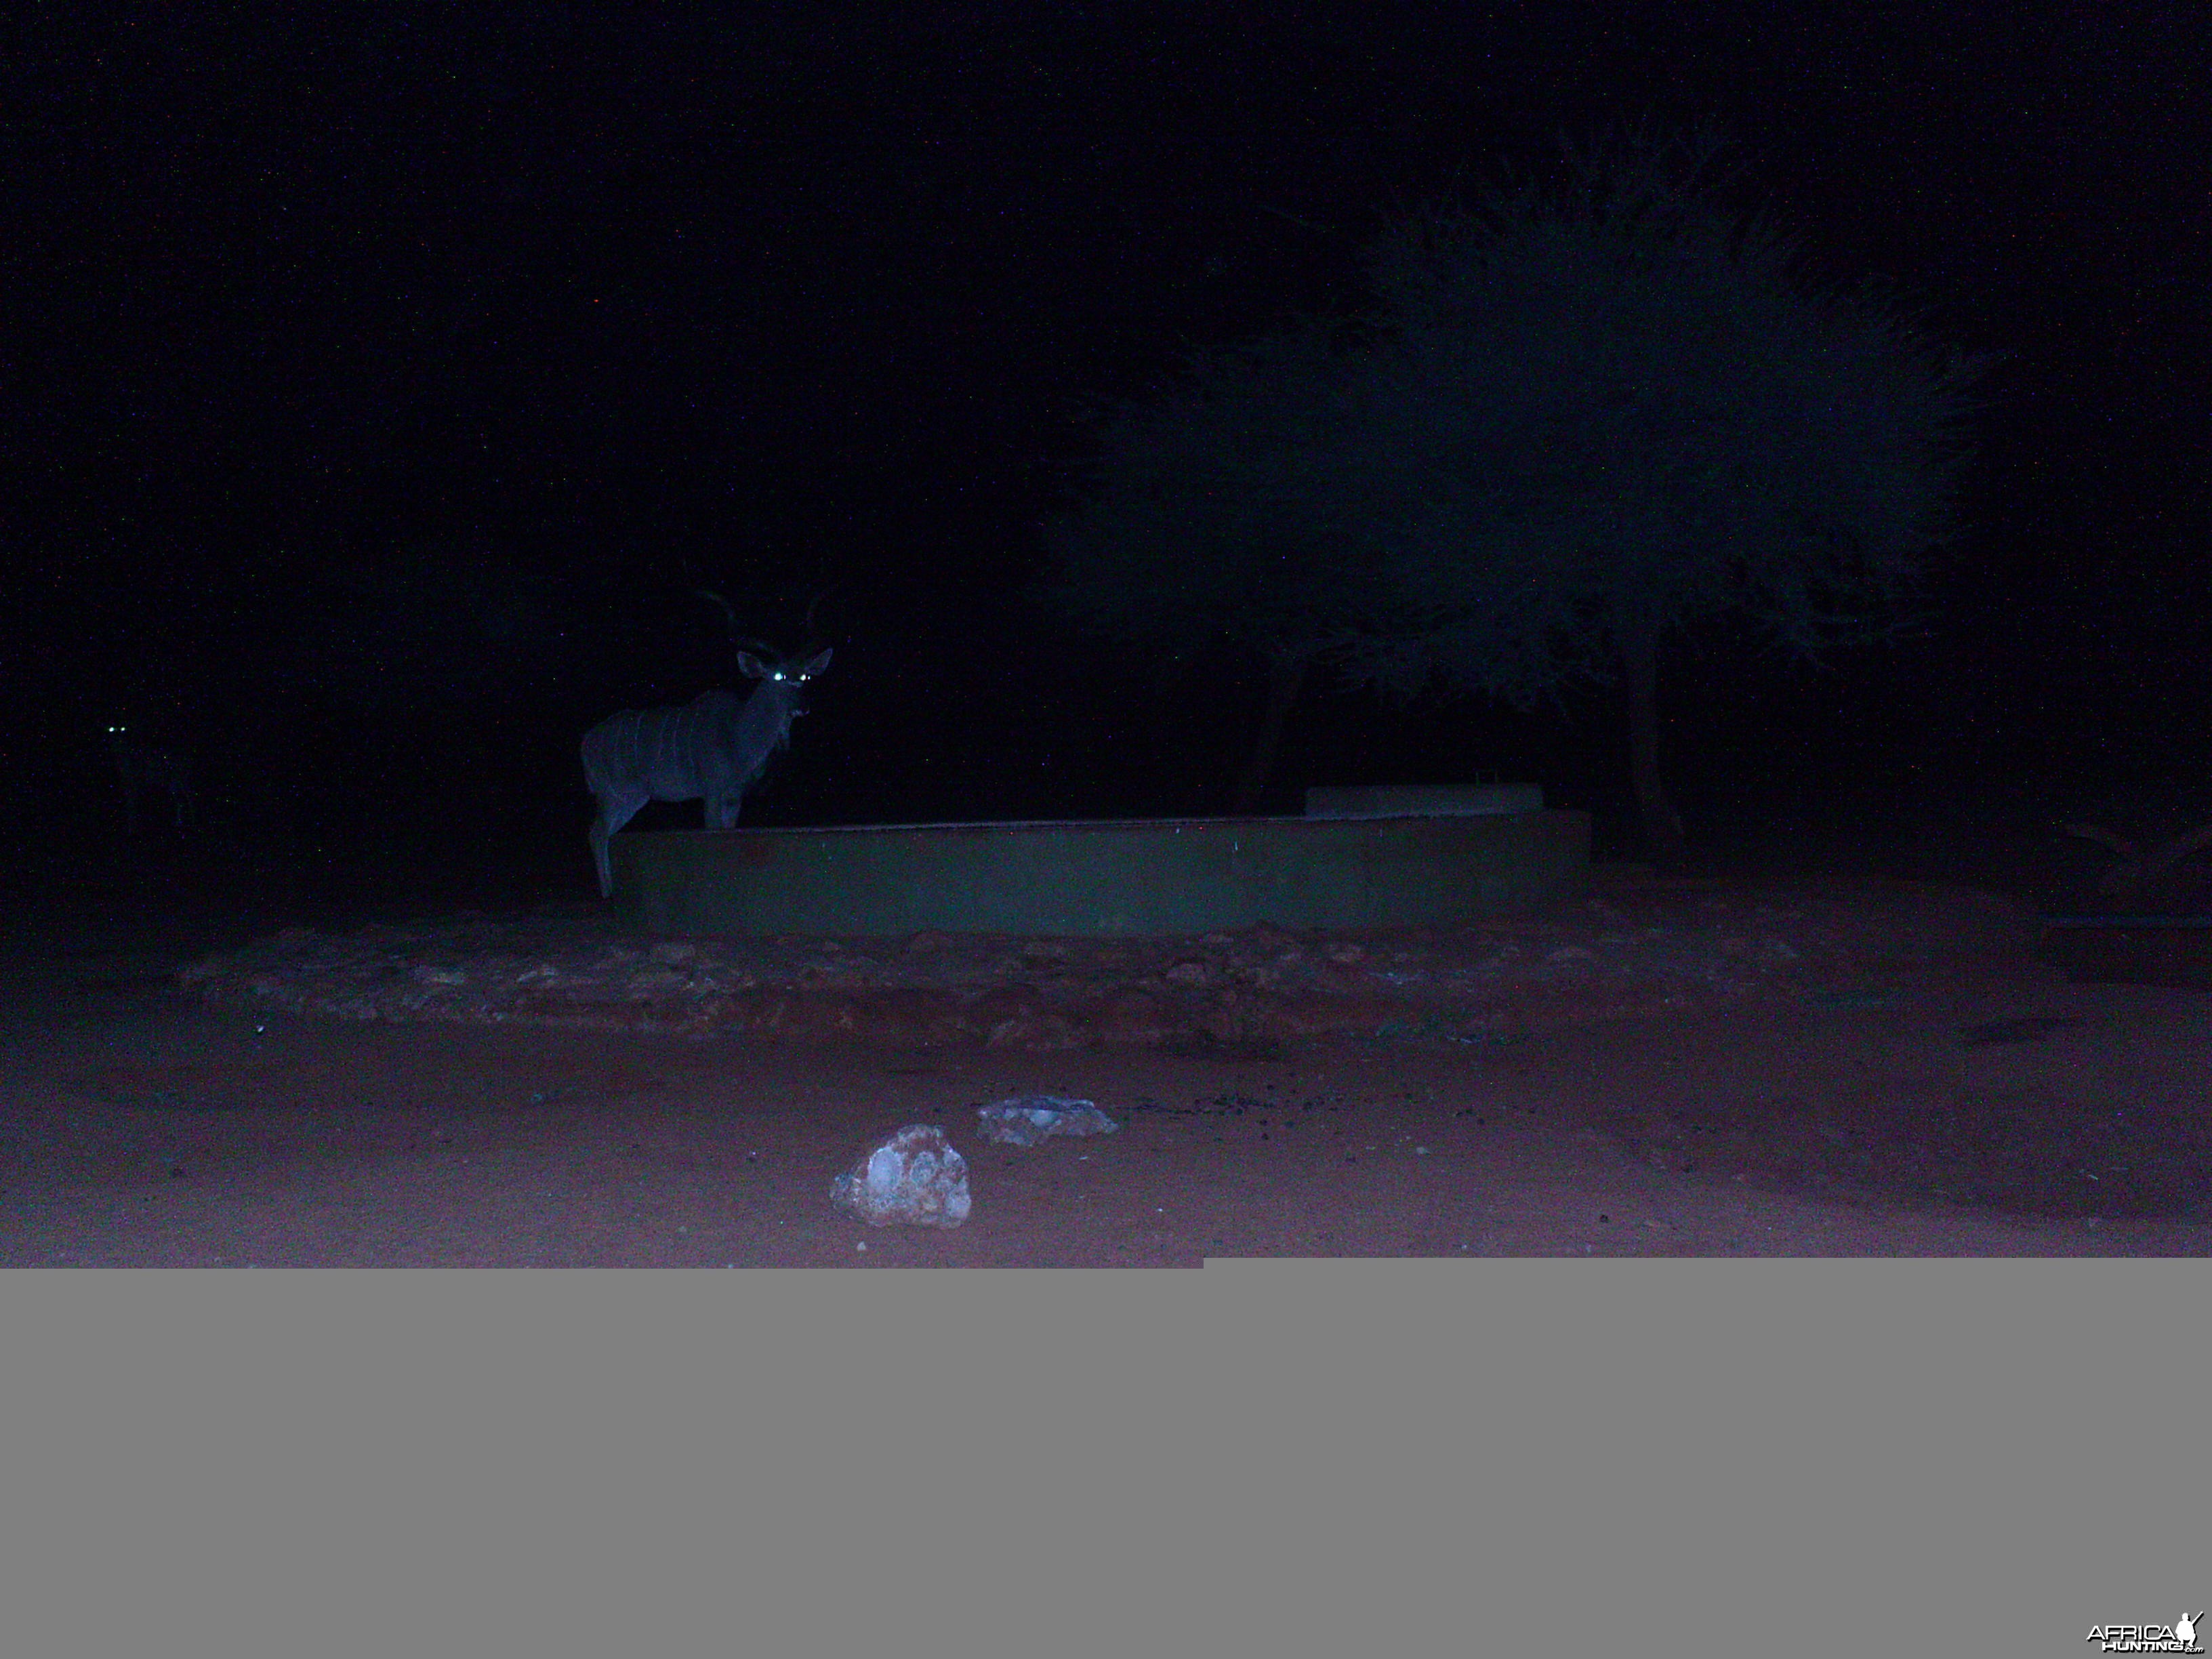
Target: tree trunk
column 1663, row 826
column 1286, row 678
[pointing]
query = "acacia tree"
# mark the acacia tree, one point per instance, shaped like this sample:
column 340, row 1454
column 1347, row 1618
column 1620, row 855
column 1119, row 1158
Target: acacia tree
column 1590, row 415
column 1198, row 525
column 1578, row 419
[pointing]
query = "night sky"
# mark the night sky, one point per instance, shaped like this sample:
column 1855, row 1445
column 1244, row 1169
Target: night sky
column 381, row 381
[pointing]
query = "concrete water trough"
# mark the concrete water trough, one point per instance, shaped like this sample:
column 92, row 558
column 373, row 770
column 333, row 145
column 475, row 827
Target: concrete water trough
column 1386, row 858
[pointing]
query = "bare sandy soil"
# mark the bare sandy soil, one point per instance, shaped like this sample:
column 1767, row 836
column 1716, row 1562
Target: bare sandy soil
column 1713, row 1068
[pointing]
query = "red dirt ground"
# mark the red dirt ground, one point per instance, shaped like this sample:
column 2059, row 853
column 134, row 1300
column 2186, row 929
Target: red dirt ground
column 1707, row 1068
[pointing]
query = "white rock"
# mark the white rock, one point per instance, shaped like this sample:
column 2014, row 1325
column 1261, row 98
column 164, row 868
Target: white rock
column 916, row 1177
column 1027, row 1119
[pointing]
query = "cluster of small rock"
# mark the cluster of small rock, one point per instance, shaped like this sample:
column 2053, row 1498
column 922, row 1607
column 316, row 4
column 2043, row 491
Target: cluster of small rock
column 1627, row 950
column 917, row 1177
